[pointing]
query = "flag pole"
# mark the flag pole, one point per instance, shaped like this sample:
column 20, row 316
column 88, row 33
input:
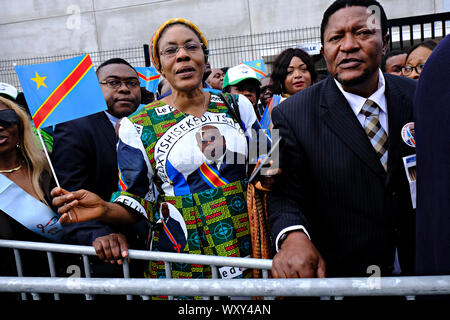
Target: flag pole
column 50, row 163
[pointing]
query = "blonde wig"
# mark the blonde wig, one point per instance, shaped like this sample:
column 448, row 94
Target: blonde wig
column 28, row 148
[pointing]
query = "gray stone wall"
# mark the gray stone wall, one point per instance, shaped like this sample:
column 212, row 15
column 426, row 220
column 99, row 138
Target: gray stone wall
column 30, row 28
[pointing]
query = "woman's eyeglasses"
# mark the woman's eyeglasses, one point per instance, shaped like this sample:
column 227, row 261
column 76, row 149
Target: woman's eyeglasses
column 407, row 70
column 189, row 47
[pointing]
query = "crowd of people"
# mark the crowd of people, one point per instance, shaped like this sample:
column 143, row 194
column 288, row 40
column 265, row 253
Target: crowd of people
column 170, row 172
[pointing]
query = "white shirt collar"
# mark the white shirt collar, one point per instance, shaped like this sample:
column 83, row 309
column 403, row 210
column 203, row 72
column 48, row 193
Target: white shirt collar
column 356, row 102
column 112, row 119
column 218, row 161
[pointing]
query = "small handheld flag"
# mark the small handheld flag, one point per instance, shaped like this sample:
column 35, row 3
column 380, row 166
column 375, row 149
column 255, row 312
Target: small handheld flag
column 61, row 91
column 266, row 118
column 258, row 66
column 149, row 78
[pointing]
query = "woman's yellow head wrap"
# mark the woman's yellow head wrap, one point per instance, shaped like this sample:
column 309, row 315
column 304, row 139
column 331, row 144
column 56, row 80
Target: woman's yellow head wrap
column 154, row 54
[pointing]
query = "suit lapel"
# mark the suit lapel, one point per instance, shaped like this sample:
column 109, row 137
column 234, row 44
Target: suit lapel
column 106, row 129
column 339, row 117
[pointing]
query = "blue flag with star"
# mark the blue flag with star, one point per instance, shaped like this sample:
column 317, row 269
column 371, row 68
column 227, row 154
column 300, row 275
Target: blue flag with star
column 61, row 91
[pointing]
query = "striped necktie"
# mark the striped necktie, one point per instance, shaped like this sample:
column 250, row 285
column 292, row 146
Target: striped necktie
column 375, row 131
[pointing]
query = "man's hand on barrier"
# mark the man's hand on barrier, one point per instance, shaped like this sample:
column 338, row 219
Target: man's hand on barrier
column 82, row 205
column 298, row 258
column 111, row 248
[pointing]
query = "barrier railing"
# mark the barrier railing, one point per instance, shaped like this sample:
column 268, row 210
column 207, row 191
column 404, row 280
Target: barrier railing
column 215, row 287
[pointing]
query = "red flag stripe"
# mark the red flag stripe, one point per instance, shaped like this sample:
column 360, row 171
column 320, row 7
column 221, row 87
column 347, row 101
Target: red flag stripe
column 211, row 176
column 122, row 184
column 55, row 98
column 148, row 78
column 256, row 70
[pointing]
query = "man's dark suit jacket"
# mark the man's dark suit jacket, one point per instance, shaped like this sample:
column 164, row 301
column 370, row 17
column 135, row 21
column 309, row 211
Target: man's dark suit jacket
column 84, row 157
column 432, row 118
column 333, row 183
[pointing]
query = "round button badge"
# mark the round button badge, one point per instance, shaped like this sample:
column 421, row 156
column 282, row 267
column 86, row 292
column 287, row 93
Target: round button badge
column 408, row 134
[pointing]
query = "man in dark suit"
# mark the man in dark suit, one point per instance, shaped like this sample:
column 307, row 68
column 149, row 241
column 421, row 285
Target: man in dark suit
column 342, row 202
column 431, row 119
column 84, row 155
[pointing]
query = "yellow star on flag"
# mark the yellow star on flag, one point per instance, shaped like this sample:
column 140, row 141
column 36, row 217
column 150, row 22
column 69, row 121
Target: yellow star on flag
column 39, row 81
column 258, row 64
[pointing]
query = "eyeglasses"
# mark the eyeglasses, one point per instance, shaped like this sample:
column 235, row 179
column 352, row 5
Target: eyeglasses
column 189, row 47
column 116, row 83
column 407, row 70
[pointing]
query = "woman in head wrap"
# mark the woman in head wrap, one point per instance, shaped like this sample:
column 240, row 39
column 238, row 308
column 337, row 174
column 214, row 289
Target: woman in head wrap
column 183, row 162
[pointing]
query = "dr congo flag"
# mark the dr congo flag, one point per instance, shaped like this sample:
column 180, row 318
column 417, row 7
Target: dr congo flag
column 61, row 91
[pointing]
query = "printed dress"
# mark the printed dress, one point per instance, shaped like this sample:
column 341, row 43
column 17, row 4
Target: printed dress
column 165, row 156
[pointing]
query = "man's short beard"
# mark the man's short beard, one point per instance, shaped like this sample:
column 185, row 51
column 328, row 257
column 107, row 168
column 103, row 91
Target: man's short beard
column 355, row 81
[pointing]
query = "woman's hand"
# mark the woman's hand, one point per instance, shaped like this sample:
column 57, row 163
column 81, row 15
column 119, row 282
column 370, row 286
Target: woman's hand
column 78, row 206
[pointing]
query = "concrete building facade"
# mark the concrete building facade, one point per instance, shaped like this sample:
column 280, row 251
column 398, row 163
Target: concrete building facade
column 32, row 28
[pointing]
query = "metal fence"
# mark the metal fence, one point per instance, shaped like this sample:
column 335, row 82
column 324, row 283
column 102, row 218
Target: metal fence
column 88, row 286
column 227, row 52
column 208, row 288
column 406, row 32
column 135, row 56
column 230, row 51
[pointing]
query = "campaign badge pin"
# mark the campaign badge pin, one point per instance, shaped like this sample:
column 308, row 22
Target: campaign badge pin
column 408, row 134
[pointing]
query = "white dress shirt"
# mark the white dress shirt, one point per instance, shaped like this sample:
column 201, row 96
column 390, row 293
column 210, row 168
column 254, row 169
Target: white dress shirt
column 356, row 102
column 112, row 119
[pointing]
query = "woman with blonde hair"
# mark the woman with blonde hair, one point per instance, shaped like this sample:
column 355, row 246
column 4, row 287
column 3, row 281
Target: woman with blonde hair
column 25, row 180
column 25, row 184
column 21, row 159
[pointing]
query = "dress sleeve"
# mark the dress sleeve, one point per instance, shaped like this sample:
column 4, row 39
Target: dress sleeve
column 136, row 190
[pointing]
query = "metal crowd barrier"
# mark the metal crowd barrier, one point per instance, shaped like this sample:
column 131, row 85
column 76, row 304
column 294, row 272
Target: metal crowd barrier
column 215, row 287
